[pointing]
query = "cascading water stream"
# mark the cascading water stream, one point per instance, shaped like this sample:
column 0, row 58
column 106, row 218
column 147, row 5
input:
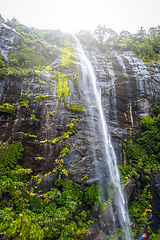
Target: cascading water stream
column 92, row 95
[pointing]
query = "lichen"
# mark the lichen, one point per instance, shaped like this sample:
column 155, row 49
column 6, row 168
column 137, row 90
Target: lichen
column 68, row 57
column 77, row 108
column 67, row 61
column 40, row 96
column 62, row 86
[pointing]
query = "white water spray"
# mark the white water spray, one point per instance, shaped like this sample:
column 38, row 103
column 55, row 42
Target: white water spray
column 92, row 96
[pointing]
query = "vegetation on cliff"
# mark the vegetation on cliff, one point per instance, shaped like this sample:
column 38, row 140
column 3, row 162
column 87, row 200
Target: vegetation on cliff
column 64, row 211
column 33, row 50
column 145, row 45
column 29, row 213
column 142, row 157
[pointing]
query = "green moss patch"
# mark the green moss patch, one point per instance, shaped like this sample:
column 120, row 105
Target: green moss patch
column 77, row 108
column 7, row 108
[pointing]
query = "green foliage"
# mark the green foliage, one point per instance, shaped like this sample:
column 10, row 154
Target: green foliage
column 157, row 106
column 12, row 175
column 21, row 226
column 54, row 141
column 7, row 108
column 62, row 86
column 154, row 236
column 9, row 154
column 77, row 108
column 118, row 234
column 30, row 135
column 146, row 46
column 67, row 61
column 93, row 196
column 101, row 32
column 40, row 96
column 142, row 99
column 71, row 130
column 142, row 156
column 60, row 168
column 73, row 232
column 27, row 57
column 24, row 100
column 32, row 117
column 29, row 215
column 50, row 114
column 86, row 38
column 3, row 69
column 65, row 150
column 71, row 196
column 39, row 158
column 111, row 191
column 68, row 57
column 21, row 73
column 31, row 52
column 54, row 37
column 53, row 214
column 139, row 209
column 126, row 173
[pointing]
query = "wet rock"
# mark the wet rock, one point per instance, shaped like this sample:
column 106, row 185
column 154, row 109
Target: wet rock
column 126, row 87
column 129, row 190
column 7, row 36
column 117, row 47
column 46, row 182
column 154, row 216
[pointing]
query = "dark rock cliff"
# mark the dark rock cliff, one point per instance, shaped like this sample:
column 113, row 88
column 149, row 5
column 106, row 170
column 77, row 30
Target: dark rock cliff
column 127, row 88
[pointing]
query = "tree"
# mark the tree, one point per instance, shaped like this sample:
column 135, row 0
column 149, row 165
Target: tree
column 100, row 33
column 84, row 36
column 125, row 34
column 110, row 33
column 141, row 33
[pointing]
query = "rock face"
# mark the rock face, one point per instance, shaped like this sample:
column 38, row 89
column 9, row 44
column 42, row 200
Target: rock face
column 7, row 36
column 127, row 87
column 154, row 218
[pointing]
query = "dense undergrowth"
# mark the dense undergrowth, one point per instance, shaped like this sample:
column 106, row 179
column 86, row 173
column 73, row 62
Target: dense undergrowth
column 33, row 50
column 142, row 156
column 145, row 45
column 28, row 213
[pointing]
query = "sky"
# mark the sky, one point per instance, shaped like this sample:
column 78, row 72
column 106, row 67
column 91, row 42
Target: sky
column 75, row 15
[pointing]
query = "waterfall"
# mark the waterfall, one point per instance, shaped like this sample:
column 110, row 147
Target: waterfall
column 92, row 95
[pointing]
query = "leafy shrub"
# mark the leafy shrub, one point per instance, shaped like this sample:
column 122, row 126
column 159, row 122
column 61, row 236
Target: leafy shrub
column 32, row 117
column 143, row 156
column 3, row 69
column 139, row 209
column 7, row 108
column 65, row 150
column 24, row 100
column 9, row 155
column 93, row 195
